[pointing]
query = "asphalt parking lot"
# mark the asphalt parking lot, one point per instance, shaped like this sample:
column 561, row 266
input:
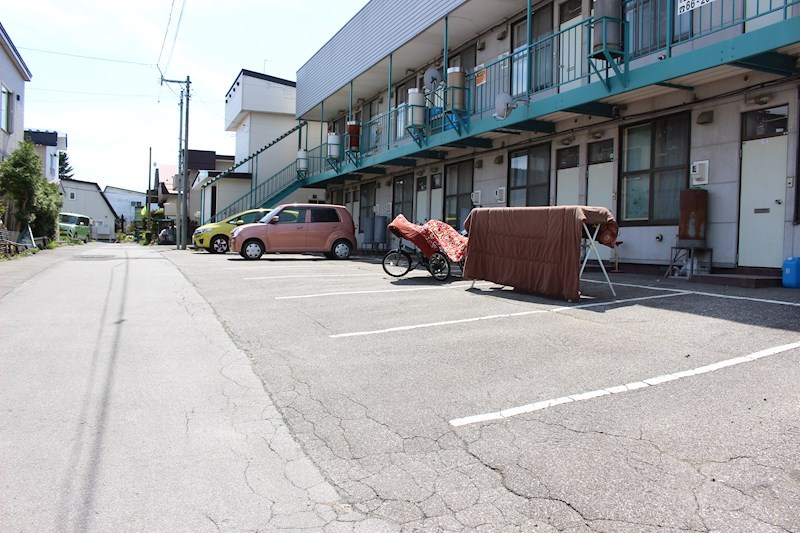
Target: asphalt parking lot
column 673, row 406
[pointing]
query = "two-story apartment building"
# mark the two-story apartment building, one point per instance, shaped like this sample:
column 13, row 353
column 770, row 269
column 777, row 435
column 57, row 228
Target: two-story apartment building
column 436, row 106
column 13, row 75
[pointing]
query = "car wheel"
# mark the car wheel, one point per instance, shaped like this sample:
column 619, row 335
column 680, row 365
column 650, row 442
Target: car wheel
column 86, row 240
column 341, row 249
column 252, row 249
column 218, row 245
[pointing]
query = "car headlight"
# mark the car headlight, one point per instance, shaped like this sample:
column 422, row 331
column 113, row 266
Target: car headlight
column 198, row 231
column 235, row 232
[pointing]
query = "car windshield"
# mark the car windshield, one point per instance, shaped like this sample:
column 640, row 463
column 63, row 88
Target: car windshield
column 268, row 216
column 69, row 219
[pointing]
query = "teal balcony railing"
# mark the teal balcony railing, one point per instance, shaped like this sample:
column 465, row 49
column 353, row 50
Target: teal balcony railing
column 655, row 25
column 596, row 49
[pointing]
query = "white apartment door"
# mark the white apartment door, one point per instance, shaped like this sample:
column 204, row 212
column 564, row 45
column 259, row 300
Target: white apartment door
column 762, row 202
column 422, row 201
column 571, row 48
column 567, row 176
column 437, row 197
column 600, row 193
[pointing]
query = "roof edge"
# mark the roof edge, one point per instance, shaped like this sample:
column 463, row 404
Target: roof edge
column 15, row 55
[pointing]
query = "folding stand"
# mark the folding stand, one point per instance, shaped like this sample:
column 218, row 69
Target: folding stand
column 592, row 247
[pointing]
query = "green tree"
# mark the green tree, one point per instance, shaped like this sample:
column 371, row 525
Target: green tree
column 19, row 178
column 47, row 205
column 65, row 171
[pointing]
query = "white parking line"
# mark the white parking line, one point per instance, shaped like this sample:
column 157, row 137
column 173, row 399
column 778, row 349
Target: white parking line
column 651, row 382
column 507, row 315
column 377, row 291
column 700, row 293
column 311, row 276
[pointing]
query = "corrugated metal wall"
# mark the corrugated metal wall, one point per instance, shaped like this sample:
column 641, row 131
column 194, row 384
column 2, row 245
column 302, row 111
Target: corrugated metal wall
column 378, row 29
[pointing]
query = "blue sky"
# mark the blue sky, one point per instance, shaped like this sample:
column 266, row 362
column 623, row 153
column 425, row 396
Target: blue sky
column 113, row 111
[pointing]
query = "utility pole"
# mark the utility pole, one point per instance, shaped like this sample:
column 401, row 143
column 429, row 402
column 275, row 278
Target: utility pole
column 147, row 234
column 182, row 188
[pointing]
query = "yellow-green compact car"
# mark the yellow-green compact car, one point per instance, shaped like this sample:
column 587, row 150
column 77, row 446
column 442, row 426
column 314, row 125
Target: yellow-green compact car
column 213, row 237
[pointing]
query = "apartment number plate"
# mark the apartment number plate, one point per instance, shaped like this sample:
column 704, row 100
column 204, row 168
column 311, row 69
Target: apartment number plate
column 684, row 6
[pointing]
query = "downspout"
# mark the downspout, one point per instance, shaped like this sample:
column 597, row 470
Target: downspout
column 444, row 54
column 389, row 108
column 670, row 26
column 528, row 57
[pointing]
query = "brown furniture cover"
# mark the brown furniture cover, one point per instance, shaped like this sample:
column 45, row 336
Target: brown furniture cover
column 534, row 249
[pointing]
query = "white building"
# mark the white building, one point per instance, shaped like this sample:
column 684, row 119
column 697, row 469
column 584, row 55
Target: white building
column 13, row 75
column 260, row 109
column 86, row 198
column 127, row 204
column 48, row 144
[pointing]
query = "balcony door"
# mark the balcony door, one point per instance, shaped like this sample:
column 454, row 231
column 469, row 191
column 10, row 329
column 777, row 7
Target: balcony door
column 541, row 52
column 571, row 48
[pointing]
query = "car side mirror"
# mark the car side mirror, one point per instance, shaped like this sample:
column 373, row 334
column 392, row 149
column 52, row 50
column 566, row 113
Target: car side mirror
column 239, row 222
column 274, row 220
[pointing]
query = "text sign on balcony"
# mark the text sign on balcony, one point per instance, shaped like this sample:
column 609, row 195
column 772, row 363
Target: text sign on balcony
column 684, row 6
column 480, row 77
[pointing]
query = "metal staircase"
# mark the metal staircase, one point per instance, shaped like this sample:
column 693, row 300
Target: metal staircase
column 272, row 190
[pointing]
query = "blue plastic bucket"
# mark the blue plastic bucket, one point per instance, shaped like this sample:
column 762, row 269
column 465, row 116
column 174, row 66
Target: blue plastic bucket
column 791, row 273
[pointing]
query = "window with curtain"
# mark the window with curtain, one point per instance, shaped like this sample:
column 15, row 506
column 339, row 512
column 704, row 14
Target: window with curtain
column 458, row 193
column 529, row 177
column 655, row 169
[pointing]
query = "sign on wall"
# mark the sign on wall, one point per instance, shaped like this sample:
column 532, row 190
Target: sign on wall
column 684, row 6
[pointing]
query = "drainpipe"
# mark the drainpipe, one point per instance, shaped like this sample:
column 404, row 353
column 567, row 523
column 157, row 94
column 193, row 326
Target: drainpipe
column 670, row 26
column 444, row 58
column 529, row 67
column 389, row 108
column 350, row 113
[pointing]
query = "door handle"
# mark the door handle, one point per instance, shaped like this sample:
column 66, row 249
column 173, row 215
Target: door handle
column 779, row 201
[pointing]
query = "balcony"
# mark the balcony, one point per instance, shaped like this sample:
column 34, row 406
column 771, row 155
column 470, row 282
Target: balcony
column 578, row 69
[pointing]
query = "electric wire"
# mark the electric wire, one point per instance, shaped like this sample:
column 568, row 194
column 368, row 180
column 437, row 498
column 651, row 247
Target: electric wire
column 93, row 58
column 175, row 36
column 166, row 32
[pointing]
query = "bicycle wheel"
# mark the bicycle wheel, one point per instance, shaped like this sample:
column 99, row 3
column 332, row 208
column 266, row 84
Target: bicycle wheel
column 439, row 266
column 396, row 263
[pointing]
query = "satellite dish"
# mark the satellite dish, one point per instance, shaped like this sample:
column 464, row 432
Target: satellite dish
column 432, row 78
column 503, row 104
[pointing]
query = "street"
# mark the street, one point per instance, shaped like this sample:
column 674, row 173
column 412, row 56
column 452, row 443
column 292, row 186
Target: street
column 157, row 389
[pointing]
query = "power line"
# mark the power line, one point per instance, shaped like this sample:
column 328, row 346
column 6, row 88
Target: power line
column 175, row 37
column 83, row 92
column 93, row 58
column 166, row 32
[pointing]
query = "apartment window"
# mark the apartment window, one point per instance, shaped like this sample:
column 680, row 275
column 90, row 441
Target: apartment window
column 529, row 177
column 458, row 191
column 72, row 196
column 655, row 170
column 765, row 123
column 6, row 101
column 648, row 25
column 367, row 201
column 337, row 196
column 601, row 152
column 541, row 52
column 403, row 200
